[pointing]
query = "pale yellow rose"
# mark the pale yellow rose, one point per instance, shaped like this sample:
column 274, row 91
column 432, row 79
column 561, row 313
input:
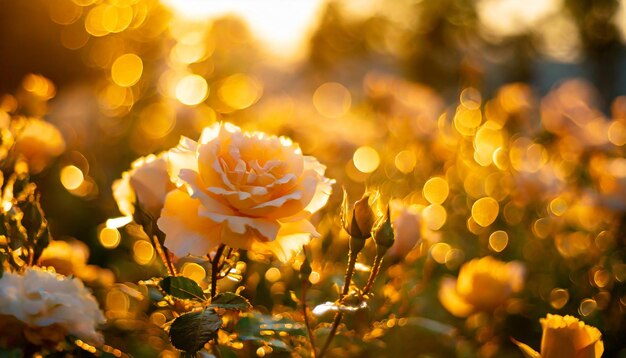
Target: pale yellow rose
column 566, row 336
column 67, row 258
column 40, row 298
column 482, row 285
column 246, row 190
column 147, row 182
column 70, row 258
column 38, row 142
column 408, row 227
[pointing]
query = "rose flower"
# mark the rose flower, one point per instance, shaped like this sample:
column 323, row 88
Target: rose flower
column 39, row 142
column 482, row 285
column 43, row 307
column 246, row 190
column 408, row 227
column 147, row 182
column 566, row 336
column 70, row 258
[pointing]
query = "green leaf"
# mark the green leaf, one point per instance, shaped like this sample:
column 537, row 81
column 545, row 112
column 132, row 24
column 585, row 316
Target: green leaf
column 231, row 301
column 249, row 327
column 182, row 287
column 191, row 331
column 13, row 353
column 278, row 344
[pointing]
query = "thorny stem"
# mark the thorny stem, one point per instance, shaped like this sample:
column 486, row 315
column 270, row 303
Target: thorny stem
column 346, row 288
column 305, row 313
column 165, row 255
column 215, row 268
column 349, row 272
column 373, row 274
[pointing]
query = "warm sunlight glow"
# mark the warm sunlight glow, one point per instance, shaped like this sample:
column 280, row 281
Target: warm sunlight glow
column 281, row 24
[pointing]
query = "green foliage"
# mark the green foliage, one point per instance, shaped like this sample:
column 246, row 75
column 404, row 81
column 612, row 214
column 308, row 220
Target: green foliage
column 181, row 287
column 23, row 222
column 231, row 301
column 12, row 353
column 191, row 331
column 250, row 326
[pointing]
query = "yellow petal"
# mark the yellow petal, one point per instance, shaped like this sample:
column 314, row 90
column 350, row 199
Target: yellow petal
column 186, row 232
column 528, row 352
column 451, row 300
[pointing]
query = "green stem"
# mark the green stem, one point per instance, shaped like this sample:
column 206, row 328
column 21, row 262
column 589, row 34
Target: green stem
column 373, row 274
column 305, row 313
column 215, row 269
column 346, row 288
column 164, row 254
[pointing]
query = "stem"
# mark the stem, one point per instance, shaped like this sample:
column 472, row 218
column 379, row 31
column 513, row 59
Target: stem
column 215, row 269
column 349, row 272
column 165, row 256
column 373, row 274
column 215, row 350
column 306, row 318
column 332, row 333
column 429, row 266
column 346, row 288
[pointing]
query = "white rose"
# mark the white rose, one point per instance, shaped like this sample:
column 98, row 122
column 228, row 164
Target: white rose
column 41, row 298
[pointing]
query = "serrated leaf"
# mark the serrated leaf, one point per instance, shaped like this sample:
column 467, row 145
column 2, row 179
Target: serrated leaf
column 231, row 301
column 181, row 287
column 191, row 331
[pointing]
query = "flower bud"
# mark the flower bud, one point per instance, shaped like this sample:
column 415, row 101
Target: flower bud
column 383, row 233
column 358, row 223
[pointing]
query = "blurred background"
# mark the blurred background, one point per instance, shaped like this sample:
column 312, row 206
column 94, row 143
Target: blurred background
column 360, row 84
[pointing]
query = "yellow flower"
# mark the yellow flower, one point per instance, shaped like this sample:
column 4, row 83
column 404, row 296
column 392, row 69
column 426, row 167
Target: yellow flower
column 408, row 225
column 41, row 298
column 246, row 190
column 566, row 336
column 147, row 182
column 38, row 142
column 70, row 258
column 482, row 285
column 67, row 258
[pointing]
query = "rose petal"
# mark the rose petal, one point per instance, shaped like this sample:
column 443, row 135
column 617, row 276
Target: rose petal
column 451, row 300
column 266, row 228
column 183, row 156
column 291, row 238
column 187, row 232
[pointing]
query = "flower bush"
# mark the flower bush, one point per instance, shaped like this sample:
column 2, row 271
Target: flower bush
column 39, row 299
column 179, row 191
